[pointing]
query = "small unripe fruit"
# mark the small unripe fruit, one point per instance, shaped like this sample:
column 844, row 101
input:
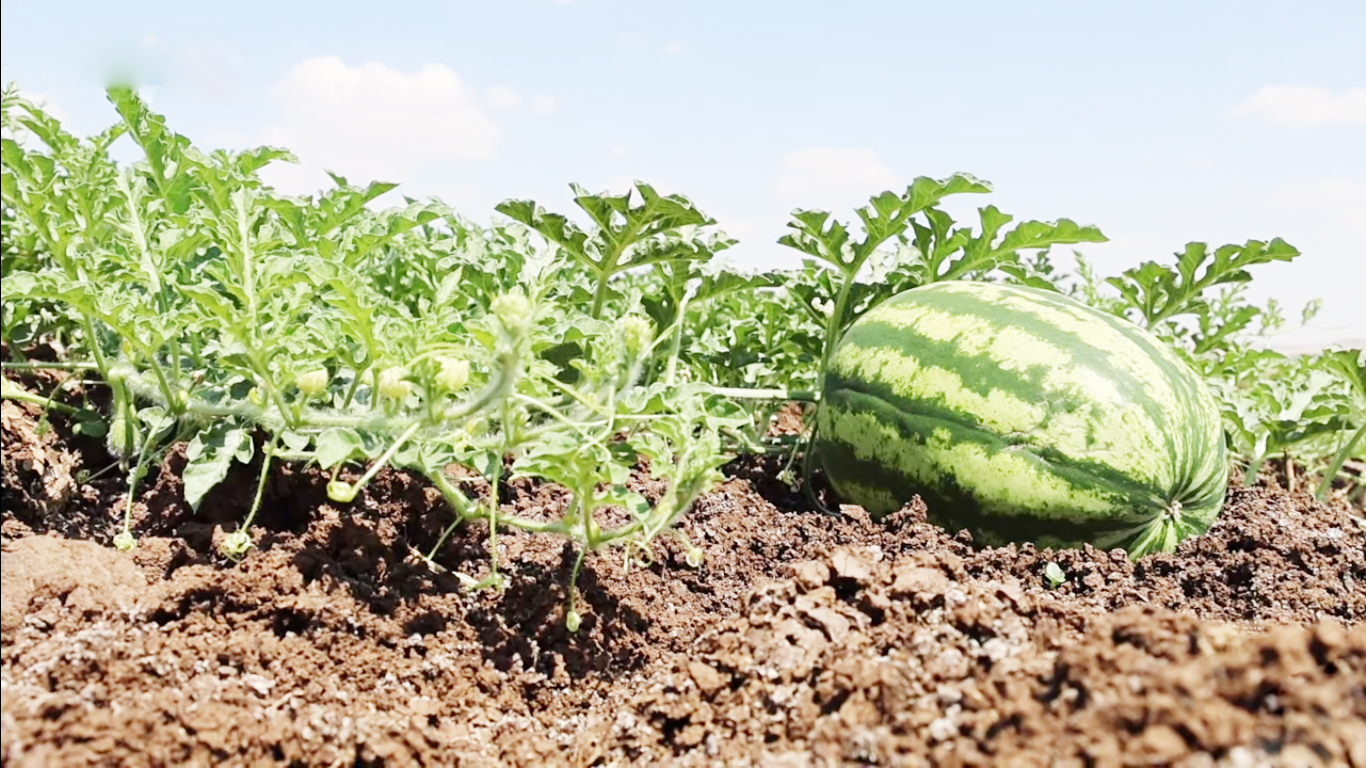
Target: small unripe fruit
column 313, row 383
column 694, row 557
column 453, row 375
column 513, row 310
column 391, row 383
column 236, row 544
column 119, row 438
column 341, row 491
column 636, row 335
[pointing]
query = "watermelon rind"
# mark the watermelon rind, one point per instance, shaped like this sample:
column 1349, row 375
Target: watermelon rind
column 1021, row 415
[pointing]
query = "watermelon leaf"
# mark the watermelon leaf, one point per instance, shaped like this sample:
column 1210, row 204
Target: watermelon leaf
column 1159, row 293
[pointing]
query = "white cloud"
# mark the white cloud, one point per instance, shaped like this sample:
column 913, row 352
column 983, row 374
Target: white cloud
column 832, row 172
column 1305, row 106
column 673, row 49
column 502, row 97
column 758, row 235
column 543, row 105
column 371, row 122
column 1341, row 198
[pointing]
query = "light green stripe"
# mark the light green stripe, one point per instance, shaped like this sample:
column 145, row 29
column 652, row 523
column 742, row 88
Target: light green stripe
column 1079, row 410
column 1042, row 371
column 1000, row 479
column 997, row 410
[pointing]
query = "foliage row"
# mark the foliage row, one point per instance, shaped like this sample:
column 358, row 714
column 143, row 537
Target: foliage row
column 218, row 311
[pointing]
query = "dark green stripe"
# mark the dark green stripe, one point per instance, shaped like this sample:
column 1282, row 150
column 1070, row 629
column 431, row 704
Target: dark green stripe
column 1201, row 493
column 982, row 373
column 855, row 394
column 1134, row 501
column 954, row 508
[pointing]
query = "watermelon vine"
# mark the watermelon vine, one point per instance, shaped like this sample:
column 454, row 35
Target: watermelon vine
column 220, row 316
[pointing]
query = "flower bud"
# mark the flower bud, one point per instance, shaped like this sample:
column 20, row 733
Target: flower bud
column 236, row 544
column 694, row 557
column 313, row 383
column 454, row 374
column 119, row 438
column 513, row 310
column 636, row 335
column 341, row 491
column 391, row 383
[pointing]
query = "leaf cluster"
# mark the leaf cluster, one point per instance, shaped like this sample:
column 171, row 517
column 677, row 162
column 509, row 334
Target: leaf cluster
column 328, row 329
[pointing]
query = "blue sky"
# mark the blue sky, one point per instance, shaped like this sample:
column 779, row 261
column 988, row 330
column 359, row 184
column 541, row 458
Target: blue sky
column 1160, row 122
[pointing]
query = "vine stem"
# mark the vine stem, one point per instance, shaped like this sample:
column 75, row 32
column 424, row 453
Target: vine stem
column 11, row 391
column 261, row 481
column 39, row 366
column 832, row 326
column 741, row 393
column 384, row 458
column 1341, row 458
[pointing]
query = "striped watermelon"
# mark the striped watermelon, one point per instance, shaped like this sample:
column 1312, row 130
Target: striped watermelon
column 1021, row 415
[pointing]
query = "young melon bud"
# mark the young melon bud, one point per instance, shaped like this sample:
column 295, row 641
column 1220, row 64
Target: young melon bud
column 513, row 310
column 236, row 544
column 636, row 334
column 572, row 620
column 476, row 426
column 313, row 383
column 391, row 383
column 341, row 491
column 694, row 557
column 454, row 374
column 119, row 438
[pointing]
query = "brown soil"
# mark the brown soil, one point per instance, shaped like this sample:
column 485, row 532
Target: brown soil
column 804, row 639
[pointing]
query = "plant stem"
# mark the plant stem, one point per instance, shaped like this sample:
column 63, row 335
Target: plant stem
column 574, row 581
column 261, row 481
column 741, row 393
column 11, row 391
column 676, row 342
column 832, row 326
column 134, row 477
column 384, row 458
column 1341, row 458
column 63, row 366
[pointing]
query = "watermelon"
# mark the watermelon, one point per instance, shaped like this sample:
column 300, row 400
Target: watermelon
column 1021, row 415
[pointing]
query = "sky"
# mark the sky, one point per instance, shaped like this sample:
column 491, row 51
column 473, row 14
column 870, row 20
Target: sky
column 1160, row 122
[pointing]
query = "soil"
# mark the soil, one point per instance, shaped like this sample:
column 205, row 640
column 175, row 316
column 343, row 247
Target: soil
column 804, row 638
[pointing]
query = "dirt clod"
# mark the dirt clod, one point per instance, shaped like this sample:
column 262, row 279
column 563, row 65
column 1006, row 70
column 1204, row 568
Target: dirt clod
column 803, row 639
